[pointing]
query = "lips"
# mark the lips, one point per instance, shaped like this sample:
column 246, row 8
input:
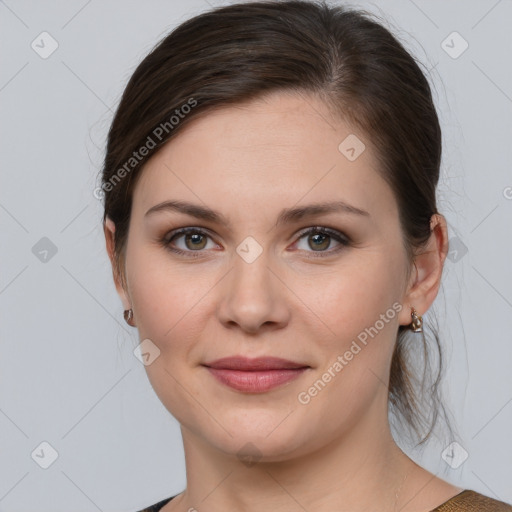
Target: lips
column 259, row 363
column 255, row 375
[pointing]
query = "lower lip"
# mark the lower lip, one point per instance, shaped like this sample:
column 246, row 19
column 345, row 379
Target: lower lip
column 255, row 381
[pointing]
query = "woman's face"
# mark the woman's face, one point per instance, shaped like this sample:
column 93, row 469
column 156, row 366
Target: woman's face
column 254, row 283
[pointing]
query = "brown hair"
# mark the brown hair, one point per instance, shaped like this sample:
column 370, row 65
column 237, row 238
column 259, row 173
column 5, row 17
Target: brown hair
column 239, row 52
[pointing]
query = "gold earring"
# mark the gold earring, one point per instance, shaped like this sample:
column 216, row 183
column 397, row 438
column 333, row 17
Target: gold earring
column 417, row 321
column 128, row 316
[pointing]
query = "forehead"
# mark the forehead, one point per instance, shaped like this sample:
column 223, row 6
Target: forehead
column 279, row 148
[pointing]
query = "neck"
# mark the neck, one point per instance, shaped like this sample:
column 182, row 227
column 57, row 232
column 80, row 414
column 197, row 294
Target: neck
column 361, row 470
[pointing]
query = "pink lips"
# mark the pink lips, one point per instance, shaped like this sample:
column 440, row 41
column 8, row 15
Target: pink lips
column 255, row 375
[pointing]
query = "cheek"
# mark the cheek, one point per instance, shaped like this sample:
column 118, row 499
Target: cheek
column 354, row 296
column 169, row 306
column 167, row 299
column 356, row 303
column 359, row 305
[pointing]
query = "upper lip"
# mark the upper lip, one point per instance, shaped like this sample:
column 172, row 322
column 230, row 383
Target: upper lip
column 258, row 363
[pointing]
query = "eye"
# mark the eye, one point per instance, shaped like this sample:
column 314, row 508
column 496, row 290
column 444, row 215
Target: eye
column 319, row 239
column 187, row 240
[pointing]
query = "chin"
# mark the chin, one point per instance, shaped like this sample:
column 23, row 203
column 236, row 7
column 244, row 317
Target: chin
column 250, row 450
column 259, row 437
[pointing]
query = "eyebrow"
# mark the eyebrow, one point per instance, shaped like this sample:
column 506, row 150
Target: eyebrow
column 287, row 215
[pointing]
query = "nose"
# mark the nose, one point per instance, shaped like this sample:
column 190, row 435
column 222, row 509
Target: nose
column 253, row 298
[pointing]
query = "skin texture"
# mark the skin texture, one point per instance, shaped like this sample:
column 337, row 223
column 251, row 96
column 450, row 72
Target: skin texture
column 294, row 301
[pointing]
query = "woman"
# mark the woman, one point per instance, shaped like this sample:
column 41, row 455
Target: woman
column 270, row 214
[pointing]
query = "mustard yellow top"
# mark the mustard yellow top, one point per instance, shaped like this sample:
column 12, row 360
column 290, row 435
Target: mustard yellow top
column 472, row 501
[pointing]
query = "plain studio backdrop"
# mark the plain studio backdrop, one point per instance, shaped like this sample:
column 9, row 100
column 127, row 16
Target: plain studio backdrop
column 80, row 426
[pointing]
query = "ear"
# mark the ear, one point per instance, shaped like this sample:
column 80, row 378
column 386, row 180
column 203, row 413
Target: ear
column 109, row 229
column 426, row 278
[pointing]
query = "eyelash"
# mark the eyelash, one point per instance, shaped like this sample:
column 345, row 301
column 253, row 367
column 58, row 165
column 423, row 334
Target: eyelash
column 343, row 240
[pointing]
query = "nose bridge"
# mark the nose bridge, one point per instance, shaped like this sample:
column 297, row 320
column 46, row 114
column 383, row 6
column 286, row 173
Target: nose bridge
column 250, row 276
column 251, row 297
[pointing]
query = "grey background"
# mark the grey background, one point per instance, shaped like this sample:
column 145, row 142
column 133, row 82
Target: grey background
column 68, row 375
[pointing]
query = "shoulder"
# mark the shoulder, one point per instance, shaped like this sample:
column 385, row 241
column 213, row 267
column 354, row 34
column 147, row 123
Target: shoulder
column 472, row 501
